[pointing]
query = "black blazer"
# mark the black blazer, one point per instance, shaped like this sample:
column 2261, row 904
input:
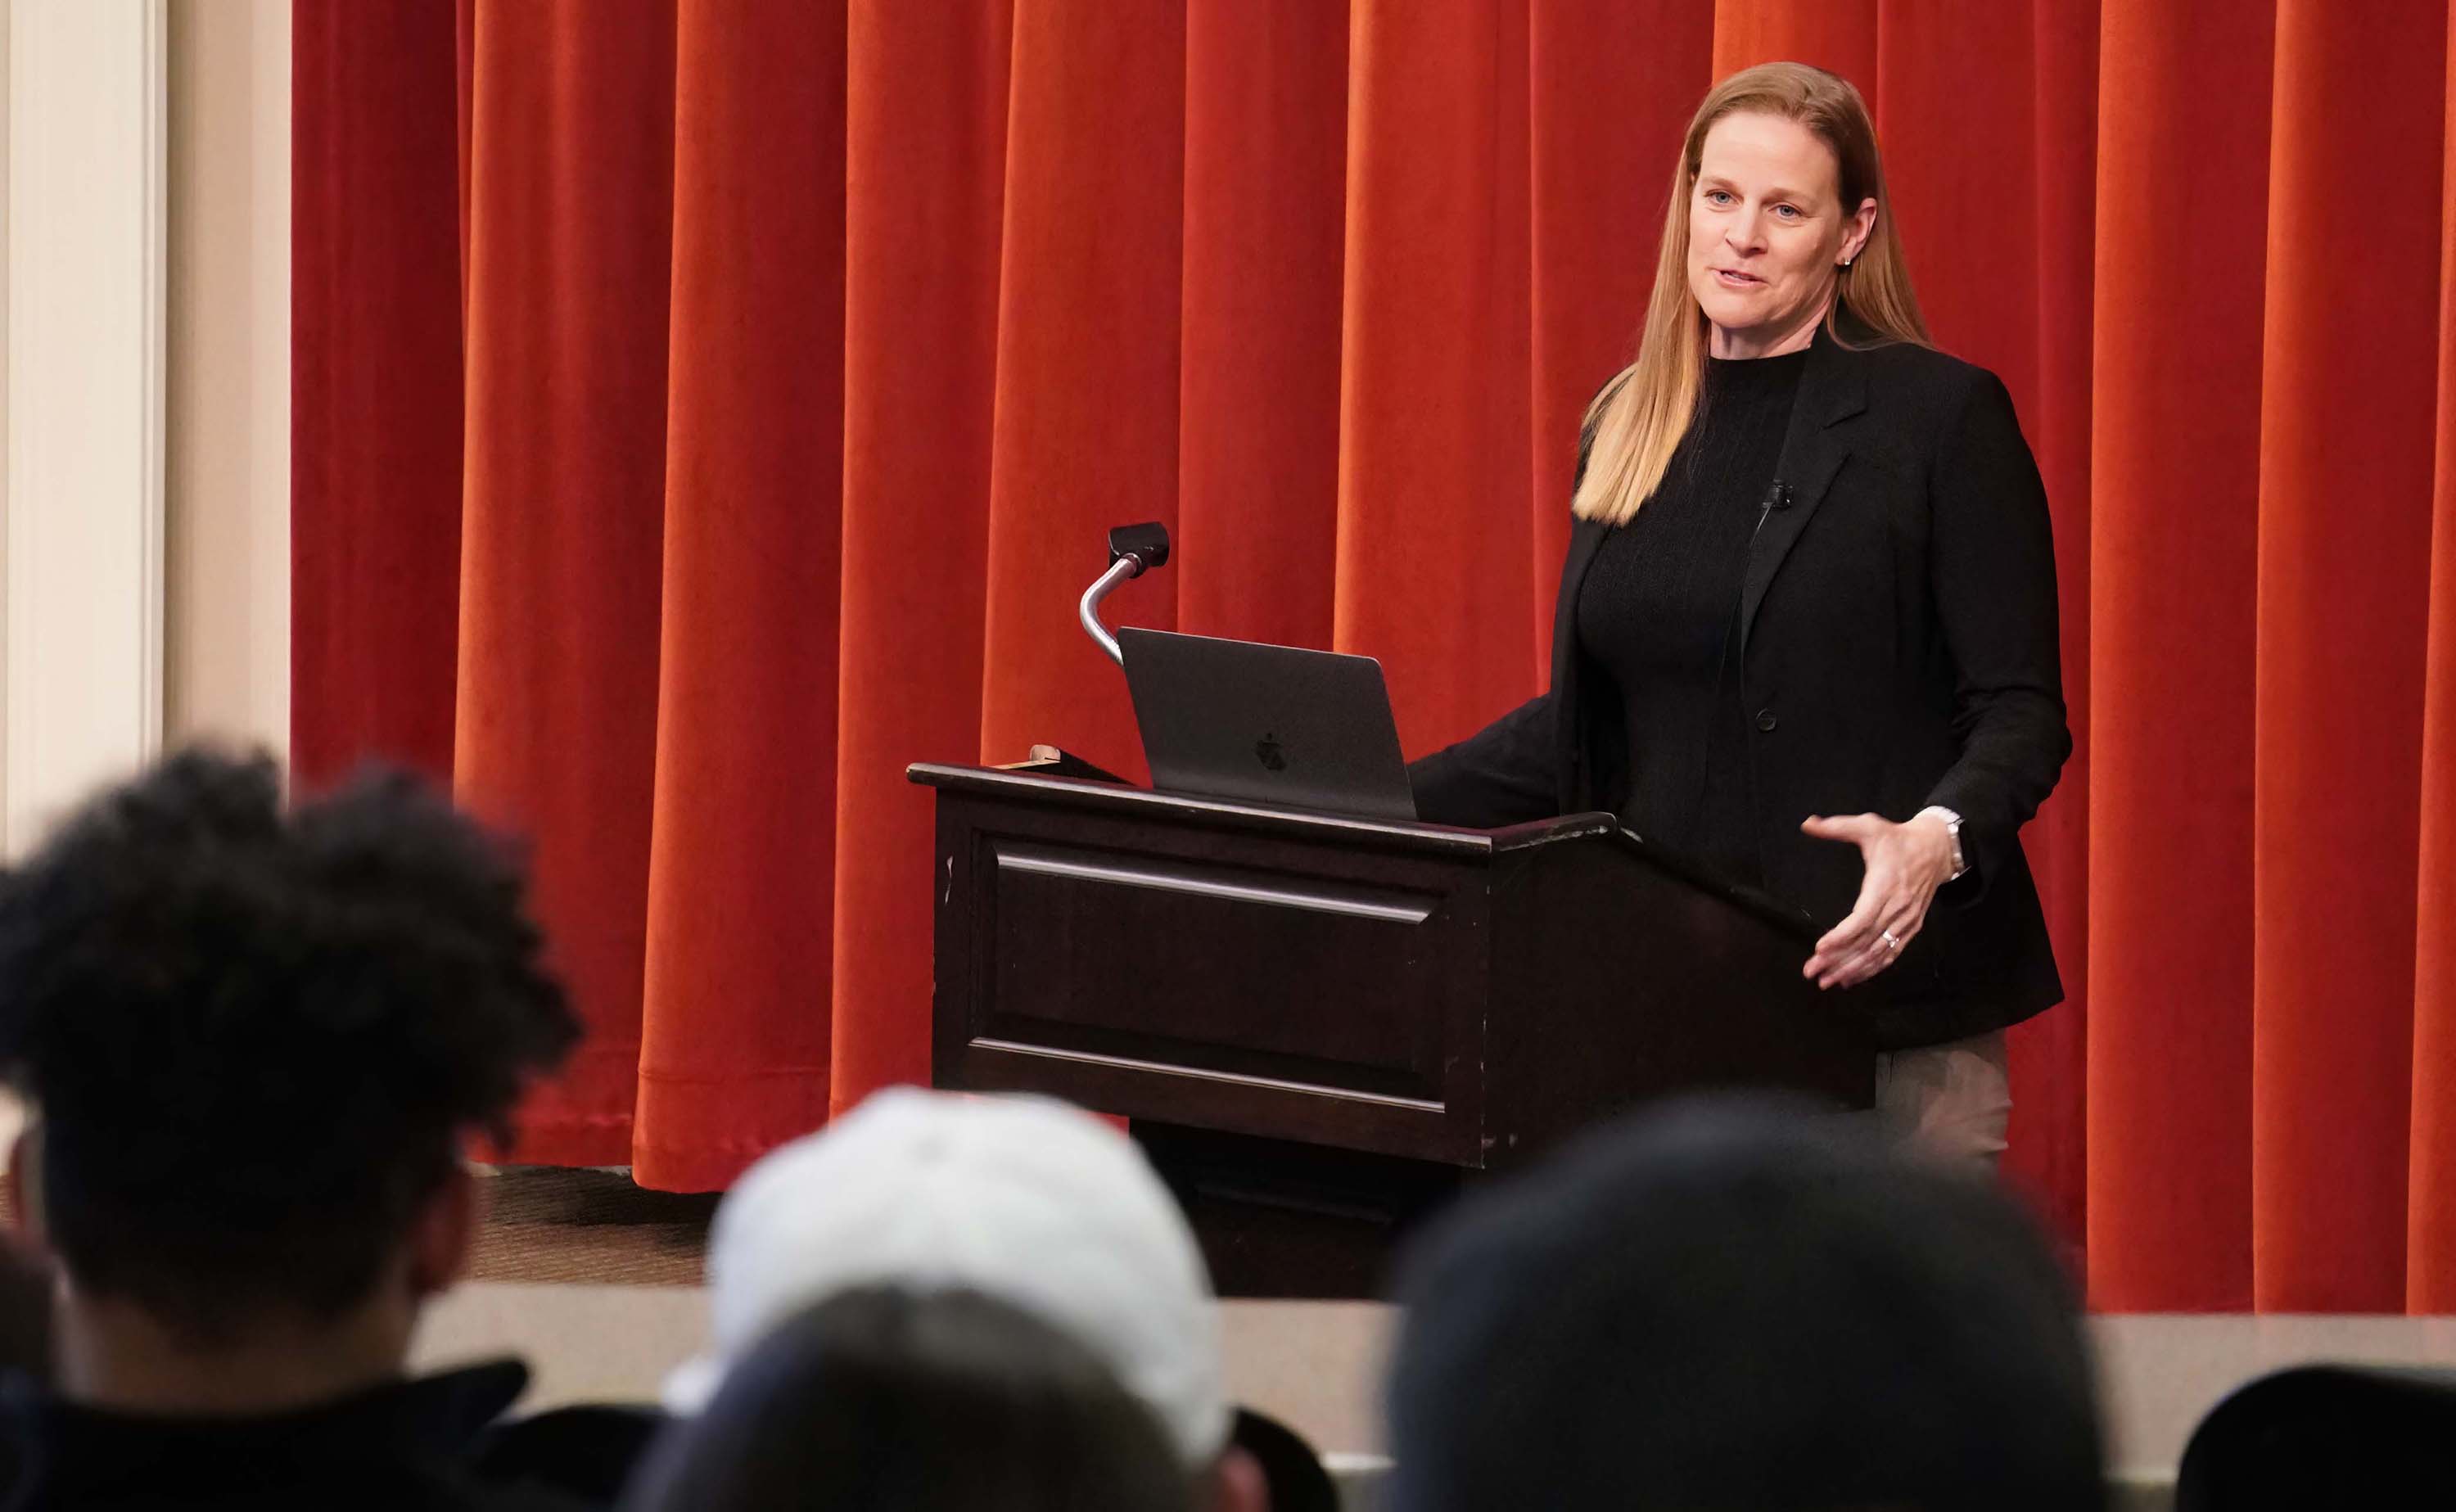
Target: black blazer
column 1897, row 648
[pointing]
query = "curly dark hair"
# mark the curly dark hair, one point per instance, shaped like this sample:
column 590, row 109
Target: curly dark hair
column 257, row 1040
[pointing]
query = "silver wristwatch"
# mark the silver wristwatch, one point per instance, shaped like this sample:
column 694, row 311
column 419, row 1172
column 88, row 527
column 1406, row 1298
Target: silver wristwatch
column 1953, row 828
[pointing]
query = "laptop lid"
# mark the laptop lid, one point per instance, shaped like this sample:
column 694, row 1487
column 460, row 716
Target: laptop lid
column 1267, row 724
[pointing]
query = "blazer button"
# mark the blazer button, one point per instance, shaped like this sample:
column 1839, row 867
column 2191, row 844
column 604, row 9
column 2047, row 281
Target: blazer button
column 1766, row 720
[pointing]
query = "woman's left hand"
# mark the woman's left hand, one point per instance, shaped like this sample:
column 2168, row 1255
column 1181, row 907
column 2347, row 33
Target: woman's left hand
column 1906, row 864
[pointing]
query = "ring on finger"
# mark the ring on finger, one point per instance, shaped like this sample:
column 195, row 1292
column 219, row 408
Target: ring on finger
column 1892, row 942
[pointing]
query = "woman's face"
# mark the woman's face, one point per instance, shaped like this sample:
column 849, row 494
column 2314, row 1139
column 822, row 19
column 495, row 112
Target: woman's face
column 1766, row 232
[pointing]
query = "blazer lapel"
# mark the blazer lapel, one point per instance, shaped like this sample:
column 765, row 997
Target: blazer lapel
column 1584, row 537
column 1831, row 391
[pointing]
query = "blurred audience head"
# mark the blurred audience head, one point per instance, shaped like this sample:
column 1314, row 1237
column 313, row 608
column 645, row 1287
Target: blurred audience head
column 253, row 1041
column 2326, row 1436
column 884, row 1399
column 1727, row 1305
column 1021, row 1199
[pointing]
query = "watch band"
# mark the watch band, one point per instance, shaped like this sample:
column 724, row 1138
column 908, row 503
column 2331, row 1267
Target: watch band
column 1953, row 828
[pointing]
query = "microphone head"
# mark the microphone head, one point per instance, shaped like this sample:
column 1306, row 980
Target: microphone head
column 1146, row 543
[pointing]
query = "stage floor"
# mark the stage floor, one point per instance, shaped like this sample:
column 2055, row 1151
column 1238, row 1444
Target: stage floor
column 1315, row 1364
column 594, row 1283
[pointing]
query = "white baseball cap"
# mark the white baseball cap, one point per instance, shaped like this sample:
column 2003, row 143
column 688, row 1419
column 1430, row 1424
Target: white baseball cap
column 1024, row 1199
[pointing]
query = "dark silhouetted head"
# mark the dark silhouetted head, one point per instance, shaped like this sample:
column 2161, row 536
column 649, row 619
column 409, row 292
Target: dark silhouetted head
column 255, row 1038
column 881, row 1399
column 1738, row 1305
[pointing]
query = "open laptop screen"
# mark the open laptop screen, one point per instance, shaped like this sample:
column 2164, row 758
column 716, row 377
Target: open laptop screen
column 1266, row 724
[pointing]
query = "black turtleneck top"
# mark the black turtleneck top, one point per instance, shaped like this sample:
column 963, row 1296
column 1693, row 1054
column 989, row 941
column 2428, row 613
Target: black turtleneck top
column 1658, row 615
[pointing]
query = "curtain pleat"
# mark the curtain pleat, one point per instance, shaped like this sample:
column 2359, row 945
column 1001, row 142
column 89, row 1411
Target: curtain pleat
column 1258, row 380
column 808, row 350
column 374, row 526
column 1838, row 34
column 2049, row 1130
column 562, row 504
column 733, row 1055
column 1434, row 558
column 924, row 180
column 2430, row 1250
column 1084, row 433
column 2174, row 539
column 2345, row 453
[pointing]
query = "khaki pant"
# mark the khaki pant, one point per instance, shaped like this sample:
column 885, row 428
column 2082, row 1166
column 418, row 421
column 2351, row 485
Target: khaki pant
column 1950, row 1102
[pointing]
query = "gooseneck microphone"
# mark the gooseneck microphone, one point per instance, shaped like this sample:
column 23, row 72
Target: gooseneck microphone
column 1132, row 551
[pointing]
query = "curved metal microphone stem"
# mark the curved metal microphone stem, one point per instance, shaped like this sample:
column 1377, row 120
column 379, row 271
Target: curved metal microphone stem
column 1124, row 567
column 1132, row 551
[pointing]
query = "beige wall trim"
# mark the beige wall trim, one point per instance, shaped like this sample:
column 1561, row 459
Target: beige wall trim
column 84, row 535
column 226, row 502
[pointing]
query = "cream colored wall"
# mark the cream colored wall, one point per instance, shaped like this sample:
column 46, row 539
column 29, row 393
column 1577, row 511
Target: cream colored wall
column 147, row 273
column 87, row 241
column 225, row 609
column 227, row 482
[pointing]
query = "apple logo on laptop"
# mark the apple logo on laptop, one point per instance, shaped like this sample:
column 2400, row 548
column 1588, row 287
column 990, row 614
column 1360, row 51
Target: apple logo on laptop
column 1268, row 752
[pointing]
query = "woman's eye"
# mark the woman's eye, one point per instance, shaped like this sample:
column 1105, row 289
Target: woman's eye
column 1717, row 197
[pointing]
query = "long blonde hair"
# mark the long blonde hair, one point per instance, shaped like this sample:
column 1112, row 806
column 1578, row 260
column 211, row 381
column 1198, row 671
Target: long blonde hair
column 1636, row 422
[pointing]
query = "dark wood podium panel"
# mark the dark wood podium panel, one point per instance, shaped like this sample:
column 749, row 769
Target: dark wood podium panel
column 1634, row 979
column 1210, row 970
column 1320, row 1025
column 1258, row 952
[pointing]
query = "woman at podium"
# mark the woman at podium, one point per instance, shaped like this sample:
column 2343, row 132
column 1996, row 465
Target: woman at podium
column 1806, row 631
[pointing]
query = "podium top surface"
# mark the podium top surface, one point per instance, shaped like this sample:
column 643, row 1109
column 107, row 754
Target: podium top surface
column 1119, row 798
column 1445, row 840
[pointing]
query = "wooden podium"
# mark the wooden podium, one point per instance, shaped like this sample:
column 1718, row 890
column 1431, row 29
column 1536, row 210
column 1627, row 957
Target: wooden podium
column 1322, row 1027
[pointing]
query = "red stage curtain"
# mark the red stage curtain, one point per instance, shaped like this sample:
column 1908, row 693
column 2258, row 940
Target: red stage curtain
column 2430, row 1244
column 703, row 409
column 2173, row 538
column 375, row 385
